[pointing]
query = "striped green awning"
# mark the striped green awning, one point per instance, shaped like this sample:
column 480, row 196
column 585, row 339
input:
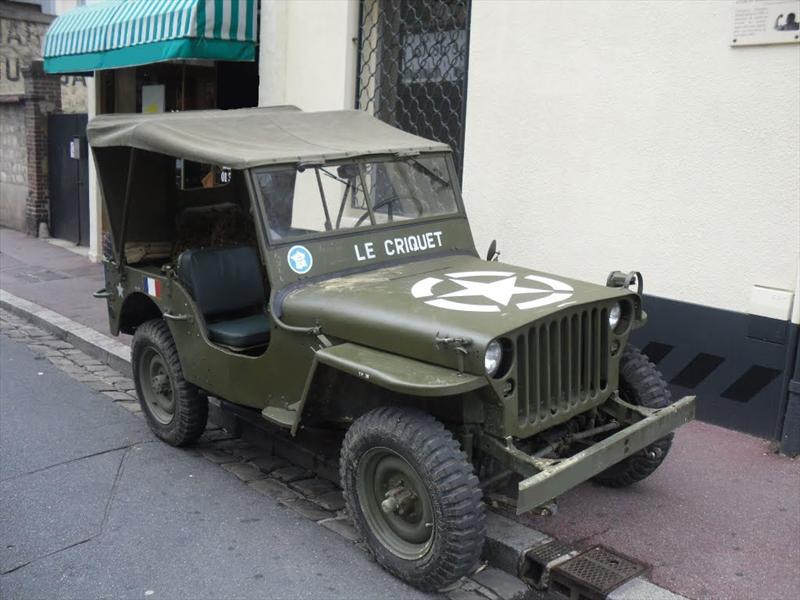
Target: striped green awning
column 125, row 33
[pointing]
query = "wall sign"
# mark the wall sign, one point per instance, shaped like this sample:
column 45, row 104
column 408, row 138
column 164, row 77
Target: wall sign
column 152, row 98
column 757, row 22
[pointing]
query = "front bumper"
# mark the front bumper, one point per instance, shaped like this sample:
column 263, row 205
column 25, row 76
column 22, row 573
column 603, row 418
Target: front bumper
column 553, row 477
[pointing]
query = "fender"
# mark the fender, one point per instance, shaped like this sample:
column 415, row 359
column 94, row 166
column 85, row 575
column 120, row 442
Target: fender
column 390, row 371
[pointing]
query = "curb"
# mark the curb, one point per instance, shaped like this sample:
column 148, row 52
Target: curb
column 514, row 552
column 97, row 345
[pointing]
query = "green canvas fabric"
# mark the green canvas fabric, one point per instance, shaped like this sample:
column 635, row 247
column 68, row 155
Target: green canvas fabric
column 120, row 33
column 249, row 137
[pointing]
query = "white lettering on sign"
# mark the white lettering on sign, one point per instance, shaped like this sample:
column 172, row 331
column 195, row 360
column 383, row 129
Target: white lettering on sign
column 413, row 243
column 400, row 245
column 368, row 251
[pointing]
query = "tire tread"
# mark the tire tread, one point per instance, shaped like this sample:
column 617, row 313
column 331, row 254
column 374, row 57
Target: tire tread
column 642, row 384
column 450, row 477
column 191, row 405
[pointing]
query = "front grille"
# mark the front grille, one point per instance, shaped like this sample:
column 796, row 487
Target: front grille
column 562, row 363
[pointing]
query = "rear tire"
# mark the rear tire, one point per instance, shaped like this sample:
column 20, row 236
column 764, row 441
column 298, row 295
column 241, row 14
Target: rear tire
column 641, row 384
column 175, row 409
column 413, row 496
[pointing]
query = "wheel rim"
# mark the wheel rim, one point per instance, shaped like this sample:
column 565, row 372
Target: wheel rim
column 395, row 503
column 157, row 387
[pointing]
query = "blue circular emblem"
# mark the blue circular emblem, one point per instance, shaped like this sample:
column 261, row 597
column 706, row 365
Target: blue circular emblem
column 300, row 259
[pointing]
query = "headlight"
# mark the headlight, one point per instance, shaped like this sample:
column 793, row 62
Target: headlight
column 492, row 358
column 614, row 315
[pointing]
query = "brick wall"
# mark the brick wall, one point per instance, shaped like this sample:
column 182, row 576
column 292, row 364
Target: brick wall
column 42, row 97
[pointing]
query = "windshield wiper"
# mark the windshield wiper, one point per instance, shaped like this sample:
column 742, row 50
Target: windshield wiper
column 339, row 179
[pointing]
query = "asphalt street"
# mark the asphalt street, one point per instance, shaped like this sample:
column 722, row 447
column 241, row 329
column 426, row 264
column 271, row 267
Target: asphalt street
column 92, row 505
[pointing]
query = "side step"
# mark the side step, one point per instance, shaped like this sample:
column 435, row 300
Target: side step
column 283, row 417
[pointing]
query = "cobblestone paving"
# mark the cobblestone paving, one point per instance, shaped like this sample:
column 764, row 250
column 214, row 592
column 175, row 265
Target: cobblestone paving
column 294, row 487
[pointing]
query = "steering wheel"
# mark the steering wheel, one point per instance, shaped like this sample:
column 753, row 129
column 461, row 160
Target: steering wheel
column 387, row 201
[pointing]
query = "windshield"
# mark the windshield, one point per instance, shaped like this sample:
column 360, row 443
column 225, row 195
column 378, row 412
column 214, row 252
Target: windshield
column 331, row 197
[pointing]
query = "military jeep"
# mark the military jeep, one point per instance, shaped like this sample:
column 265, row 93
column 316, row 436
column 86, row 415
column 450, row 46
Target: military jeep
column 318, row 269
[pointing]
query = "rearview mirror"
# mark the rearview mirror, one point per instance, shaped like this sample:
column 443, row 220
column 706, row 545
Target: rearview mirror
column 492, row 254
column 347, row 171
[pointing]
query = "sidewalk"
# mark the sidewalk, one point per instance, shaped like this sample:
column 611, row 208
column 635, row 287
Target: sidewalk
column 720, row 519
column 52, row 277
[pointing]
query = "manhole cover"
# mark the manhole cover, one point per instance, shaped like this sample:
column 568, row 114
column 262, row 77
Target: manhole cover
column 597, row 571
column 39, row 275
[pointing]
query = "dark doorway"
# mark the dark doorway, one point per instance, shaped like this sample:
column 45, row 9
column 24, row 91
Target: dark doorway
column 237, row 84
column 68, row 174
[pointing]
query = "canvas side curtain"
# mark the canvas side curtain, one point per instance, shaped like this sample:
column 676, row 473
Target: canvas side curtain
column 126, row 33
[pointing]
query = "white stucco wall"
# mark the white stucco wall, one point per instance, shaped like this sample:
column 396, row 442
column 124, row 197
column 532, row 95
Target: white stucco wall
column 630, row 135
column 95, row 199
column 308, row 53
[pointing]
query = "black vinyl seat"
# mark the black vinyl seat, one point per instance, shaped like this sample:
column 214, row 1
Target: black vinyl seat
column 227, row 285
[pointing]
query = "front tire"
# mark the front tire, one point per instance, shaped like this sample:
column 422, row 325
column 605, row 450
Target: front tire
column 175, row 409
column 641, row 384
column 413, row 496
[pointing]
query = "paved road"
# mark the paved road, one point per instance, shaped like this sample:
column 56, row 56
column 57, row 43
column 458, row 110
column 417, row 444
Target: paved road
column 91, row 505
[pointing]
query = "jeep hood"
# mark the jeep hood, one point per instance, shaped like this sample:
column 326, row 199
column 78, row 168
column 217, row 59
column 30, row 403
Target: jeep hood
column 404, row 308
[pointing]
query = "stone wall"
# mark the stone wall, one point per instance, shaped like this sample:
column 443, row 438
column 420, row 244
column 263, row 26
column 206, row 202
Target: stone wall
column 13, row 165
column 22, row 30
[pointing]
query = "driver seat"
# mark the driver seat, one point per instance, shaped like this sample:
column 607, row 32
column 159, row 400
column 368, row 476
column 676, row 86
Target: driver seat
column 228, row 287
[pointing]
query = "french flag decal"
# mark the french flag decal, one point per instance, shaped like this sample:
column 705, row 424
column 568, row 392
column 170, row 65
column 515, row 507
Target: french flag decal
column 152, row 286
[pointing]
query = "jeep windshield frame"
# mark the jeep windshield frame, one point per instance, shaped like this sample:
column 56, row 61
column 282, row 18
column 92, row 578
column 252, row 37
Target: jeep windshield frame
column 361, row 197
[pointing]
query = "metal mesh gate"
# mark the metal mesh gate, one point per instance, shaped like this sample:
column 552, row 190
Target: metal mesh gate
column 412, row 70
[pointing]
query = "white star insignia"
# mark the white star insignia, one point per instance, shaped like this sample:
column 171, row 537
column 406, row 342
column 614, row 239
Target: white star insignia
column 499, row 291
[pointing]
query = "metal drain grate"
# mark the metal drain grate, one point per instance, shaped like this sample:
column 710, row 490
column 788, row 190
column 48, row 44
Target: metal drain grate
column 548, row 552
column 534, row 569
column 592, row 574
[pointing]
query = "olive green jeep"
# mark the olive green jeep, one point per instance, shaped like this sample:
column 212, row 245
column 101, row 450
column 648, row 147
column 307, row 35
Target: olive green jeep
column 318, row 270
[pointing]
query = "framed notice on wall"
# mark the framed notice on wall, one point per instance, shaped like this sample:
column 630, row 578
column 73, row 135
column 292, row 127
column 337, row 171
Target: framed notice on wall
column 152, row 98
column 758, row 22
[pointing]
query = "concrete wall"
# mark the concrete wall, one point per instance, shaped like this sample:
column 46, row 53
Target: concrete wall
column 308, row 59
column 630, row 135
column 308, row 53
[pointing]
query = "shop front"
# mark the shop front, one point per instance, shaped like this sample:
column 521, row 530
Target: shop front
column 163, row 56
